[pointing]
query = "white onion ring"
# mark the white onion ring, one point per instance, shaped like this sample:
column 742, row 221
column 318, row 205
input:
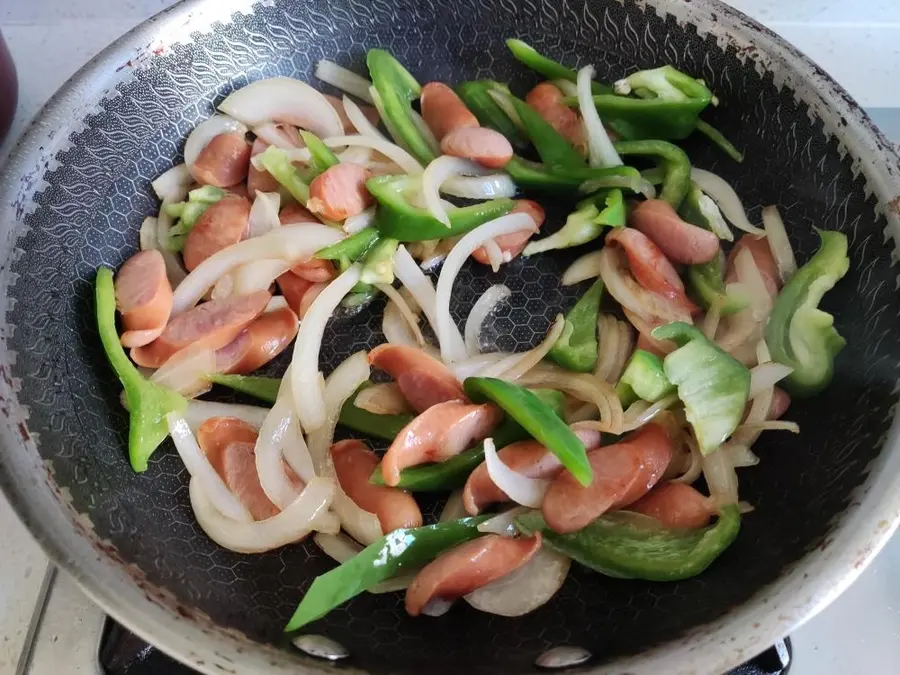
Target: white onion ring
column 148, row 236
column 524, row 589
column 255, row 276
column 721, row 478
column 631, row 295
column 345, row 80
column 285, row 138
column 410, row 318
column 607, row 346
column 487, row 186
column 625, row 348
column 436, row 173
column 514, row 222
column 360, row 221
column 601, row 152
column 360, row 121
column 383, row 399
column 584, row 268
column 726, row 199
column 584, row 387
column 307, row 513
column 199, row 411
column 393, row 152
column 696, row 466
column 528, row 360
column 482, row 308
column 197, row 464
column 264, row 214
column 283, row 99
column 186, row 371
column 173, row 184
column 520, row 489
column 765, row 376
column 308, row 396
column 779, row 243
column 479, row 365
column 647, row 412
column 503, row 523
column 207, row 130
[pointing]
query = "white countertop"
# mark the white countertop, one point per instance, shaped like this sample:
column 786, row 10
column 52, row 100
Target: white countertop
column 858, row 43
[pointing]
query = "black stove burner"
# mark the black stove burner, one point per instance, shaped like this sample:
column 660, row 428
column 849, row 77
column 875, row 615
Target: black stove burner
column 123, row 653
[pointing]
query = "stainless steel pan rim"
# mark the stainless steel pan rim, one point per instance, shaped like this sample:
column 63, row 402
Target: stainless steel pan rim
column 800, row 593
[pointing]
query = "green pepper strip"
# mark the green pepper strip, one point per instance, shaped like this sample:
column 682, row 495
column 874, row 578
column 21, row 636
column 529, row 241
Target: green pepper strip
column 397, row 88
column 576, row 348
column 263, row 388
column 623, row 550
column 537, row 418
column 477, row 99
column 552, row 147
column 452, row 473
column 635, row 119
column 378, row 263
column 398, row 219
column 321, row 158
column 278, row 164
column 801, row 335
column 712, row 384
column 553, row 180
column 148, row 403
column 675, row 162
column 547, row 67
column 352, row 248
column 718, row 138
column 586, row 223
column 644, row 378
column 400, row 551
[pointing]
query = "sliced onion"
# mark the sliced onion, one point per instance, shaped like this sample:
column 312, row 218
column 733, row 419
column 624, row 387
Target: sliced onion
column 357, row 155
column 726, row 199
column 478, row 365
column 284, row 137
column 148, row 236
column 525, row 589
column 779, row 243
column 186, row 372
column 744, row 328
column 583, row 387
column 721, row 478
column 625, row 349
column 770, row 425
column 275, row 303
column 520, row 489
column 283, row 99
column 607, row 346
column 257, row 276
column 405, row 312
column 569, row 89
column 640, row 416
column 631, row 295
column 419, row 286
column 202, row 471
column 601, row 152
column 426, row 133
column 292, row 243
column 504, row 523
column 360, row 121
column 712, row 319
column 453, row 508
column 487, row 186
column 494, row 254
column 717, row 225
column 393, row 152
column 514, row 222
column 173, row 184
column 504, row 101
column 345, row 80
column 308, row 396
column 696, row 466
column 533, row 357
column 199, row 411
column 360, row 221
column 397, row 328
column 740, row 455
column 437, row 607
column 307, row 513
column 383, row 399
column 436, row 173
column 586, row 267
column 480, row 311
column 264, row 214
column 207, row 130
column 765, row 376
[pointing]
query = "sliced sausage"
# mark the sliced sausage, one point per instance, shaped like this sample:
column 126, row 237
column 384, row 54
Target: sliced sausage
column 216, row 433
column 681, row 242
column 444, row 111
column 423, row 379
column 528, row 458
column 223, row 224
column 547, row 100
column 485, row 146
column 468, row 567
column 266, row 337
column 675, row 505
column 368, row 111
column 213, row 325
column 354, row 464
column 762, row 256
column 781, row 401
column 512, row 244
column 144, row 297
column 623, row 473
column 293, row 288
column 294, row 213
column 315, row 270
column 224, row 161
column 650, row 267
column 229, row 356
column 259, row 179
column 340, row 191
column 442, row 431
column 309, row 297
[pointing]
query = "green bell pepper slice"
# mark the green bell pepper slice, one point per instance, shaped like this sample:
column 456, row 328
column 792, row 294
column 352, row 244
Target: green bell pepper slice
column 644, row 378
column 553, row 148
column 277, row 162
column 537, row 418
column 477, row 99
column 587, row 222
column 397, row 88
column 576, row 348
column 378, row 263
column 674, row 161
column 189, row 212
column 148, row 403
column 623, row 550
column 398, row 219
column 570, row 181
column 400, row 551
column 257, row 386
column 321, row 158
column 552, row 70
column 713, row 385
column 452, row 473
column 352, row 248
column 718, row 139
column 801, row 335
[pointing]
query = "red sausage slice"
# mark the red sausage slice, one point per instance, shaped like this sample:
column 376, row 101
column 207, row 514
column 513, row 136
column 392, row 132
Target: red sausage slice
column 266, row 337
column 213, row 324
column 444, row 111
column 512, row 244
column 423, row 379
column 442, row 431
column 547, row 100
column 144, row 297
column 293, row 288
column 623, row 473
column 258, row 179
column 354, row 464
column 220, row 226
column 468, row 567
column 224, row 161
column 315, row 270
column 294, row 213
column 487, row 147
column 681, row 242
column 675, row 505
column 340, row 191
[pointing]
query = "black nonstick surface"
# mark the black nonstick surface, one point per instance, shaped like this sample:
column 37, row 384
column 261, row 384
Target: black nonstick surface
column 99, row 193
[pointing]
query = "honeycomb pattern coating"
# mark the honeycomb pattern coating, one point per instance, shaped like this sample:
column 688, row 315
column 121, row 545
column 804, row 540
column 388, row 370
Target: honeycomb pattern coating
column 97, row 197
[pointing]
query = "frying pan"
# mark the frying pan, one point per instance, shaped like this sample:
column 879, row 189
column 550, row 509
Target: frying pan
column 76, row 189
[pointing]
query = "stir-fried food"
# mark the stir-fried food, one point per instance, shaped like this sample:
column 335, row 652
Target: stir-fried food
column 294, row 209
